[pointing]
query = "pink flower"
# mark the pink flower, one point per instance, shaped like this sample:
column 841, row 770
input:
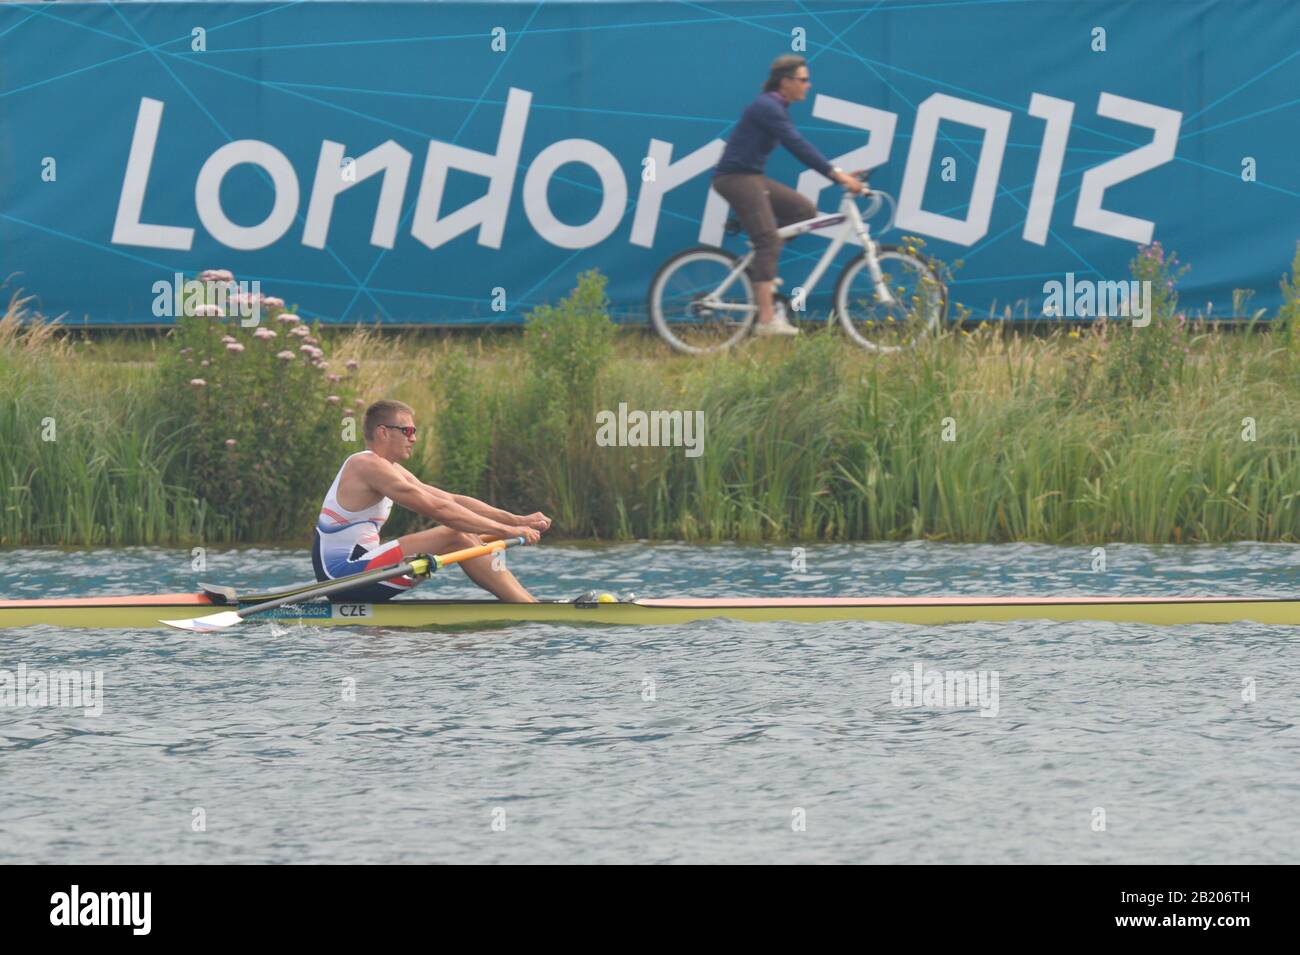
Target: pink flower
column 332, row 400
column 272, row 302
column 235, row 347
column 300, row 331
column 227, row 339
column 230, row 442
column 264, row 333
column 311, row 341
column 207, row 311
column 289, row 318
column 285, row 355
column 216, row 275
column 352, row 364
column 198, row 383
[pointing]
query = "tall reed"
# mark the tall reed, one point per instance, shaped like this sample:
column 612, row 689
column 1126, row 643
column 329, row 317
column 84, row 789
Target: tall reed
column 1075, row 437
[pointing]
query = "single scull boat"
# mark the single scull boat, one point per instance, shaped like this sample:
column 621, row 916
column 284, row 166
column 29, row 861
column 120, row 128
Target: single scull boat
column 147, row 611
column 221, row 608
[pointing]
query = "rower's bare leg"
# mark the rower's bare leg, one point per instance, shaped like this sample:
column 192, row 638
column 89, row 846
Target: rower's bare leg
column 443, row 540
column 763, row 295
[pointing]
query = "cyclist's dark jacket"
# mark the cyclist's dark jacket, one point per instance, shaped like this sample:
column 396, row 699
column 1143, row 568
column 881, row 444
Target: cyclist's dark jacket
column 764, row 123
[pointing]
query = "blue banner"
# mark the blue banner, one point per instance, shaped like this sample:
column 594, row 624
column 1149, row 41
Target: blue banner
column 460, row 163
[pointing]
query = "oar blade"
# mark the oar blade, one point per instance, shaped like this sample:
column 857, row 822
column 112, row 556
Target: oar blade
column 209, row 624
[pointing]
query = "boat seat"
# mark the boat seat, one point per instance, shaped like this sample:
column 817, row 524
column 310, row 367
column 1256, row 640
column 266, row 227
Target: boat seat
column 219, row 594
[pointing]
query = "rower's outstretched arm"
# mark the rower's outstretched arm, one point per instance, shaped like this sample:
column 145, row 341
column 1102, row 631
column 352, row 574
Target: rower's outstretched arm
column 403, row 488
column 485, row 509
column 474, row 504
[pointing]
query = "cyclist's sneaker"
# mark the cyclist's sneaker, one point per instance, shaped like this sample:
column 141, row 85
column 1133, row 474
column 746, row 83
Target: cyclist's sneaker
column 779, row 325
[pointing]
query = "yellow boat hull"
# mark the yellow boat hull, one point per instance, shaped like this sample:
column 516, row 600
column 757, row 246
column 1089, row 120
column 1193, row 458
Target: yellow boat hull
column 145, row 612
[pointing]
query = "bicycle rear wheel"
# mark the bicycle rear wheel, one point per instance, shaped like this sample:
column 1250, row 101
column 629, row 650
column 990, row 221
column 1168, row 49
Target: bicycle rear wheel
column 919, row 307
column 686, row 313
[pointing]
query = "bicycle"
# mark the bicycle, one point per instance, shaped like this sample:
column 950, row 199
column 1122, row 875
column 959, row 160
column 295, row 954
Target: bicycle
column 694, row 309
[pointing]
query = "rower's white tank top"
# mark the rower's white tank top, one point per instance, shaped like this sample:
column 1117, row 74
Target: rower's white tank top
column 340, row 530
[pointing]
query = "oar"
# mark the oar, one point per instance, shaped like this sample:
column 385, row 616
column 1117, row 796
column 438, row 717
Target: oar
column 422, row 565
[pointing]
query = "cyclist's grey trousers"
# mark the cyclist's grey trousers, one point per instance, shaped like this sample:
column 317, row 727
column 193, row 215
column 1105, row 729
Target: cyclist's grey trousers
column 763, row 205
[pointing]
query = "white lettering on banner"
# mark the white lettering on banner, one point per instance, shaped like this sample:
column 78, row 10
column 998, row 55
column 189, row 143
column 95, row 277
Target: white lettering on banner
column 1089, row 214
column 1042, row 200
column 878, row 122
column 668, row 176
column 284, row 186
column 387, row 159
column 487, row 214
column 128, row 229
column 996, row 124
column 613, row 193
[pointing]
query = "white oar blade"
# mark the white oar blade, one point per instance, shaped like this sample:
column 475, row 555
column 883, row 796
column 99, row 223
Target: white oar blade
column 213, row 621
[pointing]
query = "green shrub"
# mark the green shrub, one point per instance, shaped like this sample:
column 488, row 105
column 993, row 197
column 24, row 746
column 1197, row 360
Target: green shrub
column 1288, row 316
column 261, row 414
column 1143, row 361
column 463, row 425
column 569, row 343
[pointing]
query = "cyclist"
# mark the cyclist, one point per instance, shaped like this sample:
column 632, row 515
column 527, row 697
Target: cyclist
column 763, row 205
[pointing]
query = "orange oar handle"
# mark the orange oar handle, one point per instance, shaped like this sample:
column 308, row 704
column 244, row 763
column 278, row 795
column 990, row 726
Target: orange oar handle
column 439, row 561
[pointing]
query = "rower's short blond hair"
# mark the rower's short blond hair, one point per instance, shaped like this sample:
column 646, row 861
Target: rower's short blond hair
column 383, row 412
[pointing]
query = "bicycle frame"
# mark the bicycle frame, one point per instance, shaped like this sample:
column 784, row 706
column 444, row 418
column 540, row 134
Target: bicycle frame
column 854, row 225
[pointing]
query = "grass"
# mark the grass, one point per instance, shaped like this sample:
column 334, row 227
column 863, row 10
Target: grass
column 84, row 457
column 1068, row 438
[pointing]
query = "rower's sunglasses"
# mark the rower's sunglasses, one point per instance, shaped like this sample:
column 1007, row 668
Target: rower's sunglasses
column 407, row 430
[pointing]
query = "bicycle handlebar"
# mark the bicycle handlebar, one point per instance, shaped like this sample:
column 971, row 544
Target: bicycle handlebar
column 861, row 175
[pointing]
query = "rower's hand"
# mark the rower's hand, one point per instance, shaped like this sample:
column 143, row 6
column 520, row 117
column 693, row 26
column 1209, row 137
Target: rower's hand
column 536, row 519
column 531, row 535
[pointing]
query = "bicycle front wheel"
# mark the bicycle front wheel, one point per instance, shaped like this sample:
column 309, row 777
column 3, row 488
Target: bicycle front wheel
column 919, row 306
column 686, row 309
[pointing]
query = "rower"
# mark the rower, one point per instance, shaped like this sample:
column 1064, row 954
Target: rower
column 347, row 538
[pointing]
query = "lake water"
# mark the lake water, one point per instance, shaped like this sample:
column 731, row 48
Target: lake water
column 707, row 742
